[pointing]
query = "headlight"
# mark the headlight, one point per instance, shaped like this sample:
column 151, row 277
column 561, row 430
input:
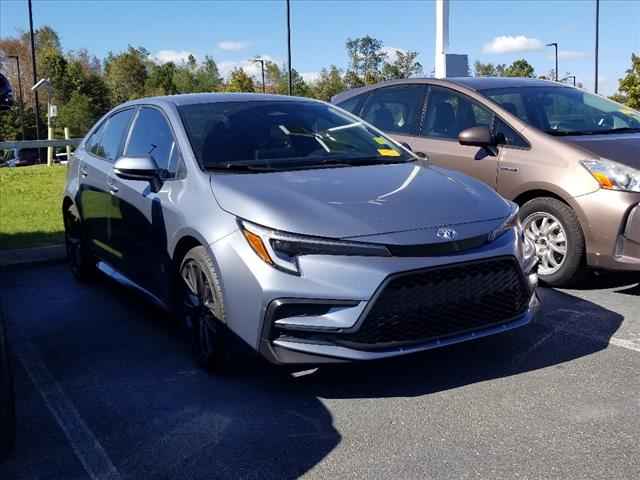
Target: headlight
column 512, row 221
column 613, row 176
column 281, row 250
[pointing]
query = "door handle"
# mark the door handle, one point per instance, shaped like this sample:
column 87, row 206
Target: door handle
column 510, row 169
column 84, row 173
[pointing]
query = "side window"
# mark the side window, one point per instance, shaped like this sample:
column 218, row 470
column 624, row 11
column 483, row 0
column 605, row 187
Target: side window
column 512, row 103
column 449, row 112
column 505, row 135
column 395, row 109
column 94, row 140
column 151, row 136
column 352, row 104
column 114, row 132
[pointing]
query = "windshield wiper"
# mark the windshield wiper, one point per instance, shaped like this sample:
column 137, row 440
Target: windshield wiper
column 239, row 167
column 565, row 133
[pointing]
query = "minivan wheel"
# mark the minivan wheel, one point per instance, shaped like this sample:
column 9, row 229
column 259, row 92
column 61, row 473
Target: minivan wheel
column 81, row 261
column 554, row 229
column 203, row 310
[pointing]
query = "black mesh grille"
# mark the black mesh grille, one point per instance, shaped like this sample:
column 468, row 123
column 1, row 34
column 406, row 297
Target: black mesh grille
column 442, row 302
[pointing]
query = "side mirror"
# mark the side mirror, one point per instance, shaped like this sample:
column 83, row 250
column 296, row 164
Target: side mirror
column 138, row 168
column 477, row 137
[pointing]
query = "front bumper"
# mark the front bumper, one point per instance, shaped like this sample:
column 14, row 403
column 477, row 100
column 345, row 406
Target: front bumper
column 348, row 285
column 611, row 223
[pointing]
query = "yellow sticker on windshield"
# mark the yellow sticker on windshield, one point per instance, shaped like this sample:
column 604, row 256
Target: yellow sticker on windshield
column 380, row 140
column 387, row 152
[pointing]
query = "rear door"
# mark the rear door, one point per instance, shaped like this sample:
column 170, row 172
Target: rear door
column 396, row 110
column 96, row 193
column 140, row 232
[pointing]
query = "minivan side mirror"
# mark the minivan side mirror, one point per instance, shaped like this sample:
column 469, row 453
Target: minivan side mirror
column 477, row 137
column 138, row 168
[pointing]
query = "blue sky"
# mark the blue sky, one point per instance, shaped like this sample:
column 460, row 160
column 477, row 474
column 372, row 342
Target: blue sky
column 234, row 31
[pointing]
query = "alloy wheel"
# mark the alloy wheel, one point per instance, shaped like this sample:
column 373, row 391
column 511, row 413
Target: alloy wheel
column 550, row 240
column 199, row 304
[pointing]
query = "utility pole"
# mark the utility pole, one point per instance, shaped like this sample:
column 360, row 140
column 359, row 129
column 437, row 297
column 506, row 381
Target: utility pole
column 555, row 44
column 289, row 46
column 442, row 37
column 17, row 59
column 34, row 71
column 595, row 82
column 264, row 90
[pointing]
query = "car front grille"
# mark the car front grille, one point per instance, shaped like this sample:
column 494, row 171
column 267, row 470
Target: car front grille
column 440, row 302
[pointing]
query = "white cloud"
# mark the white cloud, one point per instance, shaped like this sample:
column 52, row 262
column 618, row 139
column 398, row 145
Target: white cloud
column 512, row 44
column 570, row 55
column 392, row 53
column 175, row 56
column 232, row 45
column 310, row 77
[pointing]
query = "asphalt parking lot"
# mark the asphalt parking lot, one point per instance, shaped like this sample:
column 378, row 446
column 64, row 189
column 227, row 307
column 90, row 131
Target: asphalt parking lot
column 106, row 389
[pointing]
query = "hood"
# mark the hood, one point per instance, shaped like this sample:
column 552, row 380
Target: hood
column 358, row 201
column 623, row 148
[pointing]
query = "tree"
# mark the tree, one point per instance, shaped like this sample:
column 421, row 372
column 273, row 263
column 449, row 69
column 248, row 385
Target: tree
column 160, row 80
column 329, row 84
column 520, row 68
column 488, row 69
column 629, row 86
column 208, row 77
column 126, row 74
column 77, row 114
column 366, row 59
column 404, row 66
column 239, row 81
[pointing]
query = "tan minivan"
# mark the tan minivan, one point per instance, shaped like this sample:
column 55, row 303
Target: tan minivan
column 569, row 158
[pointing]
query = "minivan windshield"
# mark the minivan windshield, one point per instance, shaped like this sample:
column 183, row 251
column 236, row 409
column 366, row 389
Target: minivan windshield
column 566, row 111
column 274, row 135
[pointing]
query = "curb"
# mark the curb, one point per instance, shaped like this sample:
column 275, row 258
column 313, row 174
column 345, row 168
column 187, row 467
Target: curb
column 27, row 256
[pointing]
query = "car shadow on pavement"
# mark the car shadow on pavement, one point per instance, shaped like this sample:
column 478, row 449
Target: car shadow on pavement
column 567, row 329
column 126, row 369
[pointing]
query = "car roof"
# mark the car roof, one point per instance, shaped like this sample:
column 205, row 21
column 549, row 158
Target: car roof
column 485, row 83
column 470, row 83
column 197, row 98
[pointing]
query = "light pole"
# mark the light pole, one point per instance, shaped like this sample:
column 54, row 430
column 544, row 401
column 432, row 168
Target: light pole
column 555, row 44
column 45, row 83
column 289, row 46
column 261, row 61
column 595, row 82
column 34, row 71
column 17, row 59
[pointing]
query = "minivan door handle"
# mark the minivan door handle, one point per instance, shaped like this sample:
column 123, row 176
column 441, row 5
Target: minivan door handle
column 510, row 169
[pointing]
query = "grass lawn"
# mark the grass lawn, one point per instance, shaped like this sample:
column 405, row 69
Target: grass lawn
column 30, row 206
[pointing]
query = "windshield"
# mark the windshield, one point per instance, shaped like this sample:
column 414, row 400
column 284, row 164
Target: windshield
column 566, row 111
column 282, row 134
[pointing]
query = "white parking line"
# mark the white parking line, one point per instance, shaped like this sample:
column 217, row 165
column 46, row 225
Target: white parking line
column 628, row 344
column 86, row 446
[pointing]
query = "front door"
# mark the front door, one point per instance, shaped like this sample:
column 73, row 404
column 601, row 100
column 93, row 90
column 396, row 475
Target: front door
column 140, row 232
column 448, row 113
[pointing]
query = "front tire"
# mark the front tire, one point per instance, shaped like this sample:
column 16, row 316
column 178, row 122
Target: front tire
column 203, row 310
column 555, row 230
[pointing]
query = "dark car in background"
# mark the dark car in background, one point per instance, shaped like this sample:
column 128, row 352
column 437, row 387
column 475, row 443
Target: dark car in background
column 569, row 158
column 7, row 401
column 22, row 157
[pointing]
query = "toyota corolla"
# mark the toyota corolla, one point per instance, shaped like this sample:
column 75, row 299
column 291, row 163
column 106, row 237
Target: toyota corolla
column 295, row 226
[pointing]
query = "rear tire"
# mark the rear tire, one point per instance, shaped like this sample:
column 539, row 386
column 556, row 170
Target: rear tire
column 202, row 310
column 7, row 397
column 81, row 261
column 555, row 230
